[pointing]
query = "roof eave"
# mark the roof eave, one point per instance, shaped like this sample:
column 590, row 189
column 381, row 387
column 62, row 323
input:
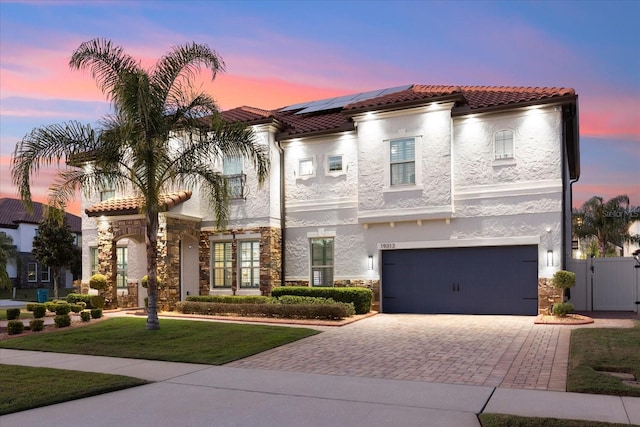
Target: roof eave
column 464, row 110
column 404, row 104
column 345, row 128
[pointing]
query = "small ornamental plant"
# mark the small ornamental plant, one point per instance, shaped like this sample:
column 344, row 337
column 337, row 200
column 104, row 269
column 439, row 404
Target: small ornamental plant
column 563, row 280
column 98, row 281
column 15, row 327
column 36, row 325
column 145, row 279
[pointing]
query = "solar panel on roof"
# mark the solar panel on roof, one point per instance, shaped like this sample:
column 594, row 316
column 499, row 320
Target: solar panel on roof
column 340, row 101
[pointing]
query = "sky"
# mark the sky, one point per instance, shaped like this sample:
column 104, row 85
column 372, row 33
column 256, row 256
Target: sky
column 279, row 53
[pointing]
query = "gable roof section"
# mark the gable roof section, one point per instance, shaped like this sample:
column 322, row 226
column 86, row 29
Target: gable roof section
column 133, row 205
column 13, row 213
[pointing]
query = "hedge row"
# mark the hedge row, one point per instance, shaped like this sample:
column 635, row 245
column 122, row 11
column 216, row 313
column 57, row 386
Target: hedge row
column 360, row 297
column 91, row 301
column 231, row 299
column 299, row 311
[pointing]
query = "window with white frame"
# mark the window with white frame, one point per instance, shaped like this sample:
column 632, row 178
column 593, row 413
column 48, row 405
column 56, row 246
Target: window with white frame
column 503, row 144
column 32, row 272
column 305, row 167
column 107, row 193
column 334, row 163
column 402, row 161
column 94, row 260
column 222, row 265
column 250, row 264
column 45, row 274
column 232, row 170
column 322, row 262
column 122, row 255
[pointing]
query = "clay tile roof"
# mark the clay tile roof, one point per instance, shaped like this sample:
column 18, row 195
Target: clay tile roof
column 133, row 205
column 491, row 96
column 415, row 93
column 13, row 213
column 246, row 114
column 313, row 123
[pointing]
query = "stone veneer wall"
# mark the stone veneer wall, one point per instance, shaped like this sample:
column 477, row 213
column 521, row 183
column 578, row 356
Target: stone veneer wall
column 548, row 295
column 270, row 258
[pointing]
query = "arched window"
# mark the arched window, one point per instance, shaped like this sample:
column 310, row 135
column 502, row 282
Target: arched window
column 503, row 144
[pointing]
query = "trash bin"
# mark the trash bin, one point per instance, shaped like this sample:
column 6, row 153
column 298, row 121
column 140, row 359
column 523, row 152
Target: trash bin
column 42, row 295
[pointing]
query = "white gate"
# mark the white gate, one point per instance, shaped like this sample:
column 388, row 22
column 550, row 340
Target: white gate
column 606, row 284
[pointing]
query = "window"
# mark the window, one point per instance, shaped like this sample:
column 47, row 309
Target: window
column 305, row 167
column 403, row 165
column 222, row 265
column 94, row 260
column 250, row 264
column 503, row 144
column 45, row 274
column 32, row 272
column 322, row 262
column 121, row 266
column 232, row 170
column 334, row 163
column 107, row 193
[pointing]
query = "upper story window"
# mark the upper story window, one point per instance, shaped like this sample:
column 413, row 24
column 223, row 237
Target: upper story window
column 232, row 170
column 334, row 163
column 305, row 167
column 503, row 144
column 107, row 193
column 403, row 161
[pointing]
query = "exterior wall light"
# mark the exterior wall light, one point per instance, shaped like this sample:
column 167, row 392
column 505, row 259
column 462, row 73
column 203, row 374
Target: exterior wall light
column 549, row 258
column 370, row 262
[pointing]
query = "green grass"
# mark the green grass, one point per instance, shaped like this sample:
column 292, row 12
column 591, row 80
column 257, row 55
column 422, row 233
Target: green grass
column 603, row 349
column 500, row 420
column 177, row 340
column 23, row 314
column 27, row 388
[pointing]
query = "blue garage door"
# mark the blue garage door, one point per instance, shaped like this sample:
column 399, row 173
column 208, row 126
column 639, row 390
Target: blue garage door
column 485, row 280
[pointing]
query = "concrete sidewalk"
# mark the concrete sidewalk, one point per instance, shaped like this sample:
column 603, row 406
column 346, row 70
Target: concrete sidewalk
column 204, row 395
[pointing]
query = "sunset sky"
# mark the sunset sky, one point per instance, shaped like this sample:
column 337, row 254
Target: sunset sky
column 281, row 53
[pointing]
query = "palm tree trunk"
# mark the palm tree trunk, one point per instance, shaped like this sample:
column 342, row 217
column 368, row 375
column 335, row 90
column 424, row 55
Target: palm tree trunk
column 153, row 323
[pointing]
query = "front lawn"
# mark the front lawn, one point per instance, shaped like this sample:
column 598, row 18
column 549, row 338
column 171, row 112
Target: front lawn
column 500, row 420
column 211, row 343
column 23, row 314
column 27, row 388
column 604, row 349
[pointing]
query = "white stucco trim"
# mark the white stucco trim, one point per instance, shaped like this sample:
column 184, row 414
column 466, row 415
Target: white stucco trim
column 181, row 216
column 508, row 189
column 462, row 243
column 407, row 214
column 322, row 205
column 321, row 233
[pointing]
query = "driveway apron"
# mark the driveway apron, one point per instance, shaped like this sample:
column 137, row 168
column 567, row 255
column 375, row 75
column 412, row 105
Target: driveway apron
column 495, row 351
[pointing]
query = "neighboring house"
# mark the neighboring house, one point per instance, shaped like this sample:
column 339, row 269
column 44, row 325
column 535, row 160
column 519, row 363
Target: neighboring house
column 442, row 199
column 15, row 222
column 634, row 229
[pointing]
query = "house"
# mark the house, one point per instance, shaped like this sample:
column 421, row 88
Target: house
column 15, row 222
column 442, row 199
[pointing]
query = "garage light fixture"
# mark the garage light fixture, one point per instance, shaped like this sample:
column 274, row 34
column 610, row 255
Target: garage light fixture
column 549, row 258
column 370, row 262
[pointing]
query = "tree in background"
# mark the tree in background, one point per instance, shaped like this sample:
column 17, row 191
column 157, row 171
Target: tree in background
column 135, row 151
column 8, row 251
column 53, row 245
column 605, row 224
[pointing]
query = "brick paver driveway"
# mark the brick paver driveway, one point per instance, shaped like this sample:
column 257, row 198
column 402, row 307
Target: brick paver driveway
column 505, row 351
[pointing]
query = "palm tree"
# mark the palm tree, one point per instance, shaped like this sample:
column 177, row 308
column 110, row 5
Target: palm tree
column 136, row 148
column 8, row 251
column 607, row 222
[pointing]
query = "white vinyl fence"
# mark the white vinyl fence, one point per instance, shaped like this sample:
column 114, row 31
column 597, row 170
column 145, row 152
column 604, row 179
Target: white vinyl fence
column 605, row 284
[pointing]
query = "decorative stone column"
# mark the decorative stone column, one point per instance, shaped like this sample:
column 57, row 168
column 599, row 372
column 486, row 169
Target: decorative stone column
column 548, row 295
column 107, row 262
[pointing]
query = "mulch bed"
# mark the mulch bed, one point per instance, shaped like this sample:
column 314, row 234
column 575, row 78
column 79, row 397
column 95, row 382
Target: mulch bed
column 570, row 319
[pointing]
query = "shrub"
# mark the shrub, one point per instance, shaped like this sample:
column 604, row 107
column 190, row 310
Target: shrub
column 98, row 281
column 76, row 308
column 562, row 309
column 564, row 279
column 360, row 297
column 96, row 301
column 13, row 313
column 36, row 325
column 15, row 327
column 96, row 313
column 231, row 299
column 30, row 306
column 145, row 280
column 62, row 320
column 62, row 309
column 74, row 298
column 85, row 316
column 39, row 311
column 301, row 311
column 51, row 306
